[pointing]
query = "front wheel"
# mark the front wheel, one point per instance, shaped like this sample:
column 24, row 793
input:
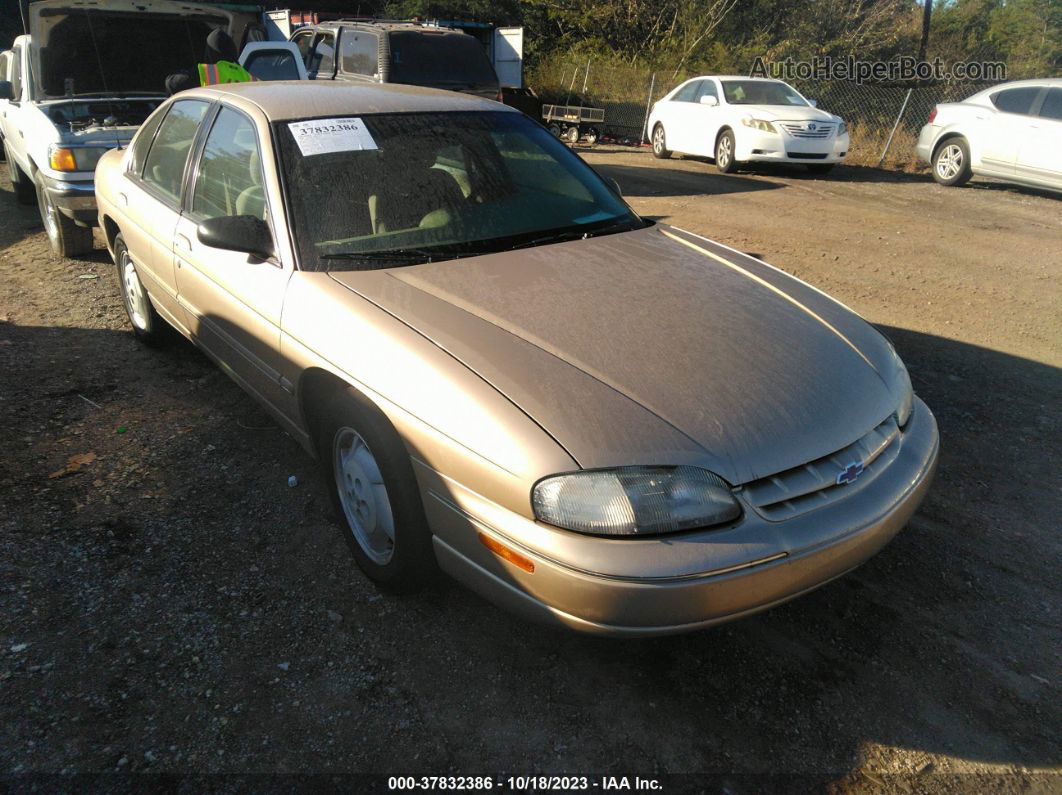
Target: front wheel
column 660, row 149
column 66, row 238
column 724, row 153
column 374, row 492
column 951, row 163
column 148, row 325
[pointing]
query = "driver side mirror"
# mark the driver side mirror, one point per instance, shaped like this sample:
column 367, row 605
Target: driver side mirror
column 7, row 90
column 813, row 102
column 244, row 233
column 709, row 100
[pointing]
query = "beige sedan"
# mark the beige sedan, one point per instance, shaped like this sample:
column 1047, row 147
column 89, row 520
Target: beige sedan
column 594, row 420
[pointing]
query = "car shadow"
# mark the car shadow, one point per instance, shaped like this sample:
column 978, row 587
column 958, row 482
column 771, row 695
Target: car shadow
column 185, row 564
column 662, row 181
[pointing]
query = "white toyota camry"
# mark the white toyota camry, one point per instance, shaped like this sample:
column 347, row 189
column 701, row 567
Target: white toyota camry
column 741, row 120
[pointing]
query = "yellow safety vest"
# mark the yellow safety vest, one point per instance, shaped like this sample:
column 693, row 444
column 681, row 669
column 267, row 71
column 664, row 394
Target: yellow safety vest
column 212, row 74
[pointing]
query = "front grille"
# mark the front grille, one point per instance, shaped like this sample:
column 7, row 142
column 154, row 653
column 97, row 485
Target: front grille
column 813, row 485
column 806, row 155
column 800, row 129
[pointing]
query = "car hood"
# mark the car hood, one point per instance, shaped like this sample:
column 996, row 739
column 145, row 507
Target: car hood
column 654, row 346
column 787, row 113
column 111, row 47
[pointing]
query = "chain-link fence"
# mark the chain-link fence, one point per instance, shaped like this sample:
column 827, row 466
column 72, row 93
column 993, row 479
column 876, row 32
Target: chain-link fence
column 883, row 121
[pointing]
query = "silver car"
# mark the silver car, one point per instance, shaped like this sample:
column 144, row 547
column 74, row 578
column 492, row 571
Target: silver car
column 594, row 420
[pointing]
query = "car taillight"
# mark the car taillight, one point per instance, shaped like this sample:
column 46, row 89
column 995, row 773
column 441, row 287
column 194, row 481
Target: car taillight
column 932, row 115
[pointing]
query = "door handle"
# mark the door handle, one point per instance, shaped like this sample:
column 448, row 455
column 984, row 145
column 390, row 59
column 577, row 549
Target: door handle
column 182, row 242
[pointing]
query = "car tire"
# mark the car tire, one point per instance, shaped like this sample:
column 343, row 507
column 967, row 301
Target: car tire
column 951, row 163
column 660, row 150
column 66, row 238
column 571, row 135
column 820, row 168
column 148, row 325
column 555, row 130
column 724, row 153
column 592, row 136
column 25, row 192
column 374, row 493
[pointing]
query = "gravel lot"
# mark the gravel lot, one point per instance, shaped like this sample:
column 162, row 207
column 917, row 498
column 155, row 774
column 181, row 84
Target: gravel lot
column 173, row 606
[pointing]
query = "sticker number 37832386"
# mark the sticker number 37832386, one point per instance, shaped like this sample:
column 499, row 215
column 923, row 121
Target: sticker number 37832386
column 322, row 136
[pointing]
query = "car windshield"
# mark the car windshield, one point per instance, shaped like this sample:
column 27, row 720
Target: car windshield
column 378, row 191
column 760, row 92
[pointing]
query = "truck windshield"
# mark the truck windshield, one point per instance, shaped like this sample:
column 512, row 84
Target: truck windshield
column 379, row 191
column 424, row 58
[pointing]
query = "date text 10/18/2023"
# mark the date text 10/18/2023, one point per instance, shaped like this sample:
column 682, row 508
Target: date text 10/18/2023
column 525, row 783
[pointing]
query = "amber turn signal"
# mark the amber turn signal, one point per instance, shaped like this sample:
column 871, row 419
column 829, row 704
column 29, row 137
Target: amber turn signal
column 62, row 159
column 505, row 553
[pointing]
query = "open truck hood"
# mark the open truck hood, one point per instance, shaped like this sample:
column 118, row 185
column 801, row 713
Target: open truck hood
column 123, row 47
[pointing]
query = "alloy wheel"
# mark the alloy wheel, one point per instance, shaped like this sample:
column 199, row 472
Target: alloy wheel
column 949, row 162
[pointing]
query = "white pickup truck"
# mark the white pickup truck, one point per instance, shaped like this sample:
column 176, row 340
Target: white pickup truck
column 83, row 79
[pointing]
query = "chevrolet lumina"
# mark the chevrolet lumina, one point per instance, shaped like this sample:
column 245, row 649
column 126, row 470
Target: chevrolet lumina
column 592, row 419
column 743, row 120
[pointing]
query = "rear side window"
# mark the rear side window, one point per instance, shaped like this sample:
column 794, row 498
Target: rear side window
column 1016, row 100
column 142, row 142
column 446, row 60
column 688, row 92
column 230, row 181
column 303, row 42
column 272, row 65
column 164, row 165
column 323, row 59
column 358, row 52
column 1052, row 107
column 16, row 72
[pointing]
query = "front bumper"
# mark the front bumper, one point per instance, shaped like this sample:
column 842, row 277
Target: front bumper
column 641, row 587
column 764, row 147
column 76, row 199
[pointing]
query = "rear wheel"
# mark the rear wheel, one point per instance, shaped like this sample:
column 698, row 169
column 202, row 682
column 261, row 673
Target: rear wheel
column 660, row 149
column 25, row 192
column 148, row 325
column 951, row 163
column 724, row 153
column 374, row 492
column 67, row 239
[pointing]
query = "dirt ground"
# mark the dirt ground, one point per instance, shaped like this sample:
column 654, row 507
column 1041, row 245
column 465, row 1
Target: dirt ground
column 174, row 606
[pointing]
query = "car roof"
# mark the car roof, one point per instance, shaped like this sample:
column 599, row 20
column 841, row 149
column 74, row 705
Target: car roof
column 738, row 77
column 1042, row 81
column 282, row 100
column 370, row 24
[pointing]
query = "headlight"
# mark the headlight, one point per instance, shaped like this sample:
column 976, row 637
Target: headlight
column 842, row 129
column 634, row 501
column 903, row 379
column 74, row 158
column 759, row 124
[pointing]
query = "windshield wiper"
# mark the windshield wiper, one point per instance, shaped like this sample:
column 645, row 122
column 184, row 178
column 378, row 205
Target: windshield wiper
column 575, row 233
column 396, row 255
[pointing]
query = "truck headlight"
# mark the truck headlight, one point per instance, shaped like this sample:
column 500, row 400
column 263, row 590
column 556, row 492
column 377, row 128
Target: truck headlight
column 634, row 501
column 759, row 124
column 74, row 158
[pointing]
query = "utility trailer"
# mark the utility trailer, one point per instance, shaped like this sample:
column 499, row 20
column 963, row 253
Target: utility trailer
column 574, row 122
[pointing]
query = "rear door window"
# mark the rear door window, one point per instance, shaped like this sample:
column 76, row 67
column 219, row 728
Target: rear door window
column 688, row 92
column 447, row 60
column 165, row 162
column 1016, row 100
column 323, row 58
column 359, row 52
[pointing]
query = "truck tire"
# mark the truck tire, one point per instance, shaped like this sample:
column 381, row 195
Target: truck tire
column 67, row 239
column 25, row 193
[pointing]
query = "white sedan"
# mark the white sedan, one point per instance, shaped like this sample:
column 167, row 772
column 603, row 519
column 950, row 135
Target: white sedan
column 1011, row 131
column 740, row 120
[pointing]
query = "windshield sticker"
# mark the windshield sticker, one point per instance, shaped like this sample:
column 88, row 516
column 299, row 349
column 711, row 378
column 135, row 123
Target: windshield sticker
column 324, row 136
